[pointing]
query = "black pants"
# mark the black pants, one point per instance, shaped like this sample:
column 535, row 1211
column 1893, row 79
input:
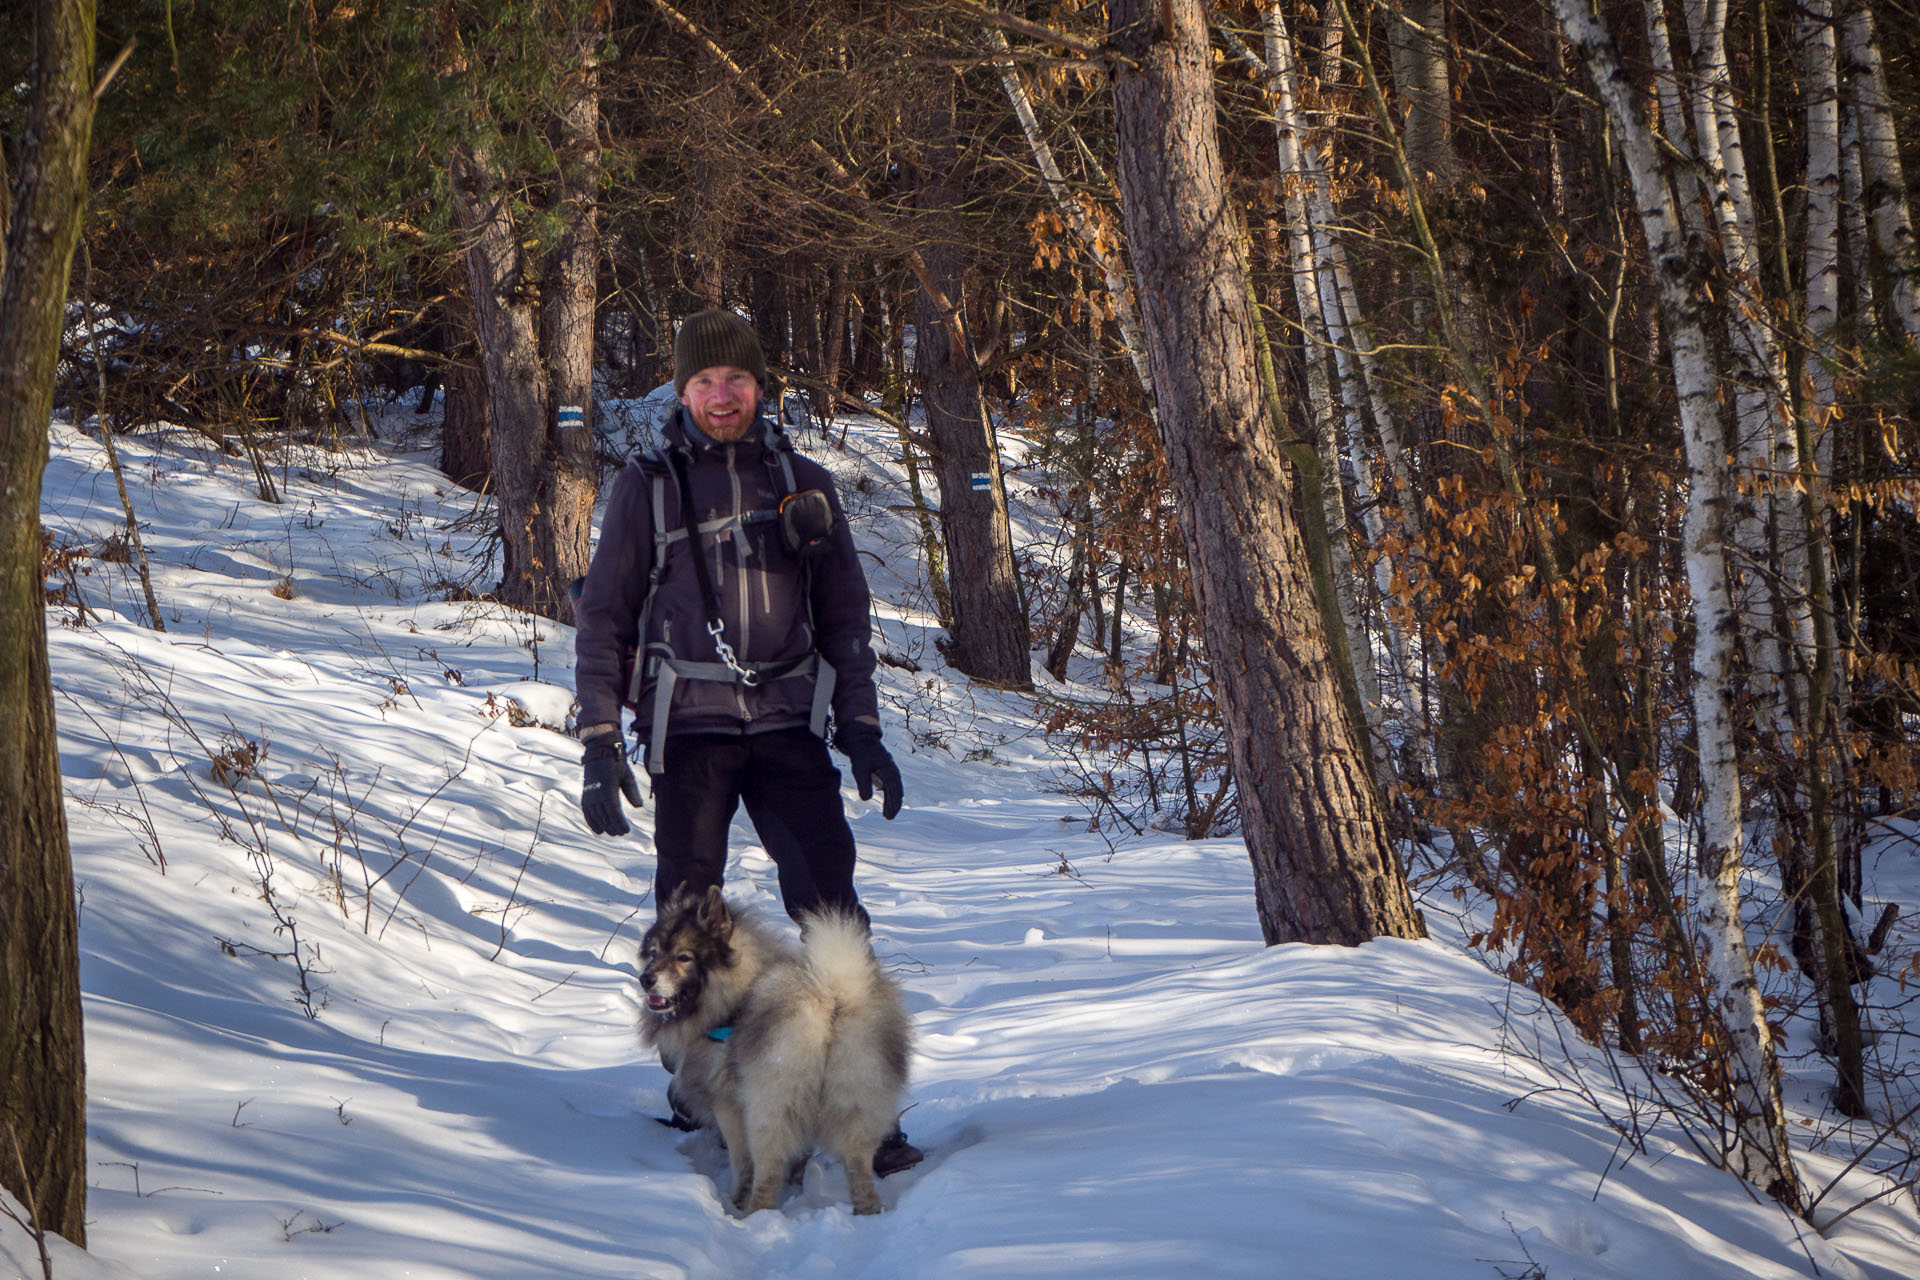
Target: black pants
column 792, row 793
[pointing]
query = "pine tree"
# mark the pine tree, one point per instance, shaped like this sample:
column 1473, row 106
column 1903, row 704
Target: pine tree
column 1323, row 869
column 43, row 1130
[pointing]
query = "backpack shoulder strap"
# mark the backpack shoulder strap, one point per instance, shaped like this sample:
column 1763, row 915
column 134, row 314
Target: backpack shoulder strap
column 653, row 464
column 657, row 466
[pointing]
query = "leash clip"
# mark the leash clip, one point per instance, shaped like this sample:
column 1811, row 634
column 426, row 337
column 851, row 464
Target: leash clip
column 725, row 650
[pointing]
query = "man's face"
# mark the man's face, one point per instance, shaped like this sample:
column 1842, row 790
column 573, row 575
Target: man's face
column 722, row 401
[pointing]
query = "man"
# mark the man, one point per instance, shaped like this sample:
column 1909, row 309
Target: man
column 748, row 640
column 726, row 571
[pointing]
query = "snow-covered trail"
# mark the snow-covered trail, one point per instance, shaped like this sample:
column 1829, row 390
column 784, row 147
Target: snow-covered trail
column 1114, row 1077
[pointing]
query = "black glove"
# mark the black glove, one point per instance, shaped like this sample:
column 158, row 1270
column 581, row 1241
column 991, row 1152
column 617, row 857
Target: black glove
column 608, row 777
column 870, row 763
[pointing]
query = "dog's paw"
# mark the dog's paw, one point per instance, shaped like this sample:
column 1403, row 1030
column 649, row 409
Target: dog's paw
column 742, row 1189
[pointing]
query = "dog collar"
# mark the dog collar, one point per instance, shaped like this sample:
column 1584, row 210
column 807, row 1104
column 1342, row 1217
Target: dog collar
column 720, row 1034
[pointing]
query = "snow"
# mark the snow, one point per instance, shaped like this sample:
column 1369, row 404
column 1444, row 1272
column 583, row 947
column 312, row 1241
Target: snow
column 1114, row 1077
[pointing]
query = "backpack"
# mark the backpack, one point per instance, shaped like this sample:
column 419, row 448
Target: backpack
column 806, row 532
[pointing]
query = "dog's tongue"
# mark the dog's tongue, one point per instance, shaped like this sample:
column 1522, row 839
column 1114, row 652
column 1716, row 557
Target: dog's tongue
column 658, row 1003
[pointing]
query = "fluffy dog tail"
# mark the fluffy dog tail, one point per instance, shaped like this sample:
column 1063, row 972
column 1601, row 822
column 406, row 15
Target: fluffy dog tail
column 840, row 953
column 868, row 1043
column 870, row 1015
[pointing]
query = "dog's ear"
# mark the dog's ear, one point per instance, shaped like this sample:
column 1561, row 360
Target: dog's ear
column 714, row 916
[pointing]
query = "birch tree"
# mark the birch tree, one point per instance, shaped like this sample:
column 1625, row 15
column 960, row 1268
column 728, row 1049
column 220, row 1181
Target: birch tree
column 1890, row 214
column 1804, row 502
column 1417, row 36
column 1759, row 1149
column 1770, row 582
column 1815, row 31
column 1100, row 246
column 1303, row 270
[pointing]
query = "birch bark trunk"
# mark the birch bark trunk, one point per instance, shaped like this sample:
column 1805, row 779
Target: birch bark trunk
column 1104, row 252
column 1759, row 1148
column 1317, row 263
column 1890, row 214
column 1773, row 570
column 1323, row 870
column 1833, row 941
column 1362, row 382
column 1675, row 118
column 1417, row 35
column 1816, row 39
column 1304, row 270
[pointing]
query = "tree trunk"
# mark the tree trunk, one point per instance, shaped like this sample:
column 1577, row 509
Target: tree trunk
column 1329, row 557
column 1323, row 870
column 1674, row 116
column 1817, row 40
column 1083, row 579
column 1770, row 581
column 1837, row 972
column 931, row 558
column 652, row 336
column 534, row 323
column 507, row 325
column 568, row 326
column 767, row 299
column 1417, row 35
column 803, row 308
column 43, row 1130
column 896, row 380
column 989, row 638
column 1889, row 211
column 1099, row 247
column 1345, row 329
column 1853, row 224
column 466, row 441
column 869, row 347
column 1304, row 269
column 1066, row 634
column 1758, row 1138
column 833, row 344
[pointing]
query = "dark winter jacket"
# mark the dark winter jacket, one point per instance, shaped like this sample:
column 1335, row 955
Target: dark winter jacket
column 763, row 589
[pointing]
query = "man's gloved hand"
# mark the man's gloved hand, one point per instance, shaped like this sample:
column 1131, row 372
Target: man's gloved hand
column 608, row 777
column 870, row 764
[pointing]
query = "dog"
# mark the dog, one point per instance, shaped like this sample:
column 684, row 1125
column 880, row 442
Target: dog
column 785, row 1049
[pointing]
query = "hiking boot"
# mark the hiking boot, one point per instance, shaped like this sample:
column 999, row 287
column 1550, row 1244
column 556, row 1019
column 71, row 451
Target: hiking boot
column 896, row 1154
column 679, row 1119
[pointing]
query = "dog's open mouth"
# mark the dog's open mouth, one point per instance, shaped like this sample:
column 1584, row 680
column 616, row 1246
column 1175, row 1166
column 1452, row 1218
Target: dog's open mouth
column 659, row 1004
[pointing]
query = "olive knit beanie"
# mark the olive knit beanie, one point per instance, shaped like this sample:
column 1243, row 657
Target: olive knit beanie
column 715, row 338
